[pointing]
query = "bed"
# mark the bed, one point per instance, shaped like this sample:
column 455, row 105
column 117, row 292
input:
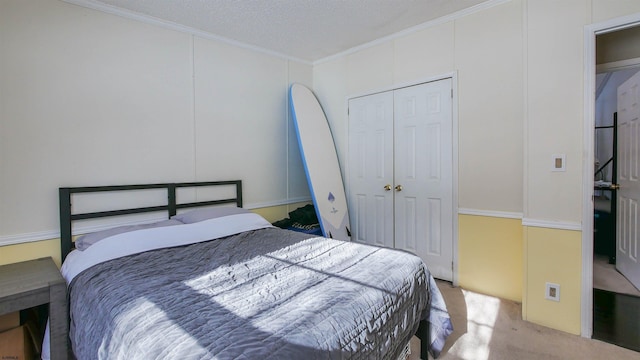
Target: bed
column 220, row 282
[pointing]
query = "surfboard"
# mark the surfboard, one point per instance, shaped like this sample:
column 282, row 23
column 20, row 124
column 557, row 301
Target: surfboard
column 320, row 163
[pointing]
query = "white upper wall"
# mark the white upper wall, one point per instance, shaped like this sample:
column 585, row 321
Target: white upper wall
column 488, row 58
column 485, row 49
column 602, row 10
column 88, row 98
column 520, row 70
column 555, row 116
column 555, row 111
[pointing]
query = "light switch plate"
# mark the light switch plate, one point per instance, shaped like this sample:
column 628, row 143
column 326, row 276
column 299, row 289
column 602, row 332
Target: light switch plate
column 559, row 162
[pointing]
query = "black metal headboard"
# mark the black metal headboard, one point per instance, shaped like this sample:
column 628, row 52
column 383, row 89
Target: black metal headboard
column 67, row 217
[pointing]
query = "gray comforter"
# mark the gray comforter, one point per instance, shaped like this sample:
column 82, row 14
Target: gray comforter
column 263, row 294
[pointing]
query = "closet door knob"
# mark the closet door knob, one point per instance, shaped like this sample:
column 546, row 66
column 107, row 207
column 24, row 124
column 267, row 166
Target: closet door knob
column 387, row 187
column 398, row 187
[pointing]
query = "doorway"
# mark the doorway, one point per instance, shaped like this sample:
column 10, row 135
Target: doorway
column 606, row 181
column 608, row 299
column 616, row 301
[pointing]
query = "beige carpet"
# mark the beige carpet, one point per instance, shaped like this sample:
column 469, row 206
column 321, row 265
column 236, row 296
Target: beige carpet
column 606, row 277
column 486, row 327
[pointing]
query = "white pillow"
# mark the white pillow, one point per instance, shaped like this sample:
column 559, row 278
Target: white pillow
column 198, row 215
column 84, row 241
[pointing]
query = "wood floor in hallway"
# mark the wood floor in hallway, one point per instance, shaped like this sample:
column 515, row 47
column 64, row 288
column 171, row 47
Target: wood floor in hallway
column 616, row 318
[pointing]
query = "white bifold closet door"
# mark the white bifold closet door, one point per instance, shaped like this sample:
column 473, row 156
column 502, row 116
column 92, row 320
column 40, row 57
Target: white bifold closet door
column 400, row 172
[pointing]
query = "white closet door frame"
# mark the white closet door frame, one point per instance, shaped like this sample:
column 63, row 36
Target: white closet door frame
column 454, row 86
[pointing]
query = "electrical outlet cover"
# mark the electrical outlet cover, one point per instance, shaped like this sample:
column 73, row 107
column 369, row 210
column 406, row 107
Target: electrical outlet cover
column 552, row 292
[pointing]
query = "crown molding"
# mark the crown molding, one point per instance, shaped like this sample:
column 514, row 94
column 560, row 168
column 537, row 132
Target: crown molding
column 128, row 14
column 441, row 20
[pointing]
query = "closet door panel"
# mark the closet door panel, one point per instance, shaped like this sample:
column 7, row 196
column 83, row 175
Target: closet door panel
column 628, row 196
column 407, row 230
column 423, row 173
column 434, row 227
column 371, row 168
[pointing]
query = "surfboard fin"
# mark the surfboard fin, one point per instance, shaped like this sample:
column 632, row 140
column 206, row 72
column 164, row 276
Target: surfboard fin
column 348, row 232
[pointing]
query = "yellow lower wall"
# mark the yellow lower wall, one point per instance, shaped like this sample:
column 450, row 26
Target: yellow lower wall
column 500, row 257
column 490, row 256
column 29, row 251
column 37, row 249
column 275, row 213
column 553, row 256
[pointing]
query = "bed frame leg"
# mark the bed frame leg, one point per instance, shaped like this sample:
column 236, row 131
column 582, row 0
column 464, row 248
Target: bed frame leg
column 423, row 335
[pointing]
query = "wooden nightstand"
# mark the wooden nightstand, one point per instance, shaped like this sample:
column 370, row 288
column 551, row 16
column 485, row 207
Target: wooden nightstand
column 36, row 282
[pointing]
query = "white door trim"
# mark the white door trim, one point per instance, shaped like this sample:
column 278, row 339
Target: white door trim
column 590, row 32
column 454, row 86
column 453, row 75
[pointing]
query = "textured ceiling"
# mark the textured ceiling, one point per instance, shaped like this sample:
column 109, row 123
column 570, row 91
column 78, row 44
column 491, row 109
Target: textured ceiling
column 304, row 29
